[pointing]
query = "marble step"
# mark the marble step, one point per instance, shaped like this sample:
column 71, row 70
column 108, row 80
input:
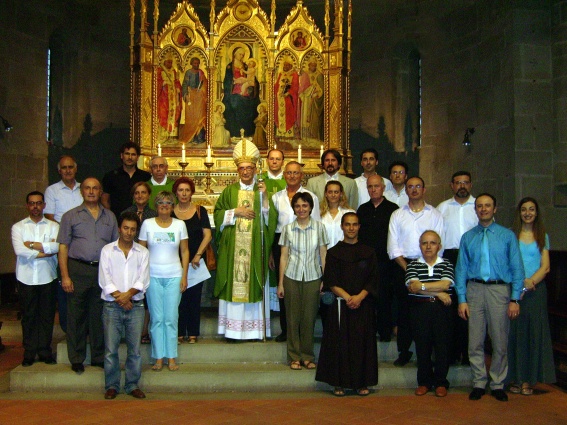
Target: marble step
column 210, row 378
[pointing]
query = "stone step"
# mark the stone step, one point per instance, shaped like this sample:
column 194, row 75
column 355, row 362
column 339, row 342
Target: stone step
column 217, row 350
column 209, row 378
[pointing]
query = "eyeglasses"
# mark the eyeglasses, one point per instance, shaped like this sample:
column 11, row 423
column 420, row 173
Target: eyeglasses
column 249, row 168
column 414, row 186
column 461, row 183
column 164, row 203
column 292, row 173
column 35, row 204
column 401, row 173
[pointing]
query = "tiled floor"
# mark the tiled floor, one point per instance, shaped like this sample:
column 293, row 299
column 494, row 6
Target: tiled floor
column 547, row 407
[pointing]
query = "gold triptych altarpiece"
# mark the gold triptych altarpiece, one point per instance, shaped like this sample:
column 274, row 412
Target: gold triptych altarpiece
column 197, row 87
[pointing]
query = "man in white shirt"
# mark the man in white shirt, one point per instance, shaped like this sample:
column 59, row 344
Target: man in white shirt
column 64, row 195
column 459, row 216
column 331, row 161
column 124, row 277
column 61, row 197
column 406, row 227
column 33, row 239
column 399, row 175
column 293, row 175
column 369, row 162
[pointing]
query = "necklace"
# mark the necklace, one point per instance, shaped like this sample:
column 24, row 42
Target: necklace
column 180, row 210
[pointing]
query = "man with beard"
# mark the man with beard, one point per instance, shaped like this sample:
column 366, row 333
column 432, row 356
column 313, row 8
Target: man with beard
column 458, row 217
column 331, row 161
column 118, row 183
column 369, row 162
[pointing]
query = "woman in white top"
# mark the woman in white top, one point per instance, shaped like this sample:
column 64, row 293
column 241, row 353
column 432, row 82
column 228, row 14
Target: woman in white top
column 165, row 237
column 304, row 247
column 333, row 207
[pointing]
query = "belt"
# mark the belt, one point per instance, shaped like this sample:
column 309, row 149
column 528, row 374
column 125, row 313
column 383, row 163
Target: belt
column 88, row 263
column 489, row 282
column 423, row 299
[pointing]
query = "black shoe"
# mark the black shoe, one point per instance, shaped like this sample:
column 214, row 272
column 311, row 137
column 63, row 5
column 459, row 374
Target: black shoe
column 281, row 337
column 77, row 367
column 476, row 393
column 48, row 360
column 110, row 394
column 98, row 364
column 403, row 360
column 27, row 362
column 499, row 395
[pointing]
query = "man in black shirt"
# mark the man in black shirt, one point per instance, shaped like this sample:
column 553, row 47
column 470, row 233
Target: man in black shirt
column 117, row 184
column 374, row 218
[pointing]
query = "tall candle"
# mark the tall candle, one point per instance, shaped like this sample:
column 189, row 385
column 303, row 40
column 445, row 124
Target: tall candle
column 322, row 150
column 183, row 153
column 299, row 154
column 275, row 146
column 159, row 149
column 209, row 153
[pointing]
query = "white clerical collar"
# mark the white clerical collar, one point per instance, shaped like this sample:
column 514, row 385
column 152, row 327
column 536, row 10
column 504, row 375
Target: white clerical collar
column 274, row 177
column 159, row 184
column 333, row 177
column 247, row 186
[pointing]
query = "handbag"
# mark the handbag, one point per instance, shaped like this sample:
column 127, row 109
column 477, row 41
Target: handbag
column 211, row 260
column 328, row 297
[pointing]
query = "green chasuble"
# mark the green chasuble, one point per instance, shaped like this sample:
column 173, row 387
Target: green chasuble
column 273, row 185
column 226, row 243
column 168, row 186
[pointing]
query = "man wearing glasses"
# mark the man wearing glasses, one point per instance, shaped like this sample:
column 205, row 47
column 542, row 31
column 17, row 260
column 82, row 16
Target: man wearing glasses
column 84, row 231
column 33, row 240
column 406, row 227
column 159, row 181
column 459, row 217
column 293, row 176
column 242, row 267
column 398, row 176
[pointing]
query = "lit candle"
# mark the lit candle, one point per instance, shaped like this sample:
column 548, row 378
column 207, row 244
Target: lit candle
column 183, row 153
column 159, row 149
column 322, row 150
column 299, row 154
column 275, row 146
column 209, row 154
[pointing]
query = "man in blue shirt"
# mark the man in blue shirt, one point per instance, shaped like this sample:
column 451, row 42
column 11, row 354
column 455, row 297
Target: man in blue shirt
column 489, row 279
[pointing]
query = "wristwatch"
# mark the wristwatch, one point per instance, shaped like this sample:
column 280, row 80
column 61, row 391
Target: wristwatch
column 515, row 301
column 422, row 286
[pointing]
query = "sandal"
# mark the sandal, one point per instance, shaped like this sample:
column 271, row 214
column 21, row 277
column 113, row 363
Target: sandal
column 363, row 391
column 338, row 392
column 295, row 365
column 179, row 340
column 307, row 364
column 192, row 339
column 527, row 390
column 157, row 367
column 515, row 389
column 146, row 339
column 172, row 366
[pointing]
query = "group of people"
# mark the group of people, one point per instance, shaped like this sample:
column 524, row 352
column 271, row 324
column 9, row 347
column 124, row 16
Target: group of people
column 119, row 252
column 369, row 254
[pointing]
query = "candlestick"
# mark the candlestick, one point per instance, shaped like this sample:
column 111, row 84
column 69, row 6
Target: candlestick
column 159, row 149
column 208, row 189
column 299, row 154
column 183, row 165
column 183, row 153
